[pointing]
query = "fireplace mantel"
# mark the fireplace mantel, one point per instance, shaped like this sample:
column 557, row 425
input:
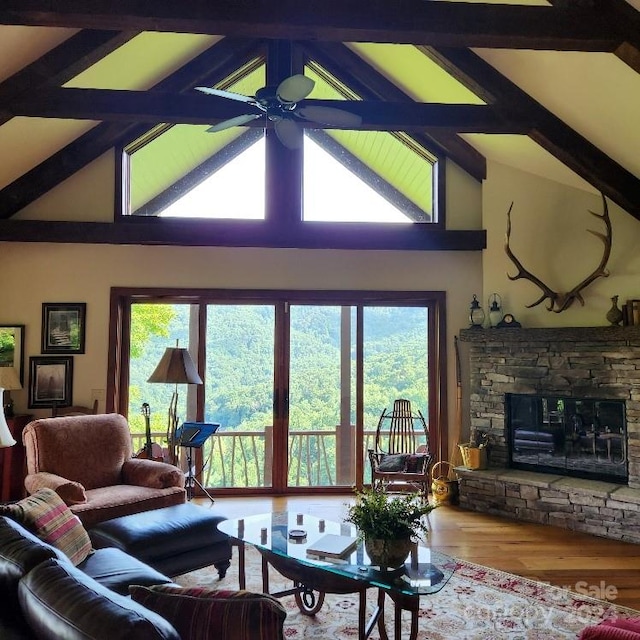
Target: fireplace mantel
column 552, row 334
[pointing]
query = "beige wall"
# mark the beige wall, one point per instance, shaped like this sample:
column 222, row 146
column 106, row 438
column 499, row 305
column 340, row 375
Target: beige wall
column 543, row 238
column 549, row 223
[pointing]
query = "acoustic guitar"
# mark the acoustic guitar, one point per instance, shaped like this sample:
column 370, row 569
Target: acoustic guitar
column 151, row 450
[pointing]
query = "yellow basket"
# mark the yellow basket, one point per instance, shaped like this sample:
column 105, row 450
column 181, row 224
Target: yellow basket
column 443, row 489
column 473, row 457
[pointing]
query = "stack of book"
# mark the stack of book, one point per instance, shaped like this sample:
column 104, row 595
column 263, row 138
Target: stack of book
column 332, row 547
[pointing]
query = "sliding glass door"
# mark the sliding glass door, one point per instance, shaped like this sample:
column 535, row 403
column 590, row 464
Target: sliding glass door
column 296, row 381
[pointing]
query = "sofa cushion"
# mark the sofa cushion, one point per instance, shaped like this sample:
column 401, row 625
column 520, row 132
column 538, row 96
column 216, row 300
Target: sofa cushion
column 46, row 515
column 613, row 629
column 60, row 601
column 116, row 570
column 20, row 551
column 200, row 613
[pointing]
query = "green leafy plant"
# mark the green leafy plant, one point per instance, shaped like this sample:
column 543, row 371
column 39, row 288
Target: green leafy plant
column 377, row 514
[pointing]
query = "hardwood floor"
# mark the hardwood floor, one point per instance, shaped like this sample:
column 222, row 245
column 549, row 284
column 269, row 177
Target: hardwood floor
column 606, row 569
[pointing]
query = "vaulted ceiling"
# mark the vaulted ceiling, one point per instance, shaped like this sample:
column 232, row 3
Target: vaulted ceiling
column 557, row 84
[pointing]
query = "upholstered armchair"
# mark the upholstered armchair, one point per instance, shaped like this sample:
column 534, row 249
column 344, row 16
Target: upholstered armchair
column 87, row 460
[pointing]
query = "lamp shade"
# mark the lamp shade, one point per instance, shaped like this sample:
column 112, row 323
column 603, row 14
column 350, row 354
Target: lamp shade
column 6, row 439
column 176, row 366
column 9, row 379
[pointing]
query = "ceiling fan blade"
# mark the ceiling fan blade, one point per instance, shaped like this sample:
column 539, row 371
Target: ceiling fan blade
column 233, row 122
column 288, row 133
column 227, row 94
column 330, row 116
column 294, row 88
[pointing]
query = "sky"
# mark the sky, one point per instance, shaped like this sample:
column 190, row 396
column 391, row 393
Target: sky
column 237, row 196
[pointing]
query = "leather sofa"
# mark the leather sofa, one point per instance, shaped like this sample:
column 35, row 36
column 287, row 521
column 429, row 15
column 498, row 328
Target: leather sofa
column 45, row 597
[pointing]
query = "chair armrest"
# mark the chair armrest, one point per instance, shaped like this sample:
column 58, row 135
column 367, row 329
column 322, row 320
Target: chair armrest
column 149, row 473
column 71, row 492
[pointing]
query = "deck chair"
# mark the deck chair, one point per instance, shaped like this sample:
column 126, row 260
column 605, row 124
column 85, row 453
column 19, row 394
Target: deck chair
column 400, row 460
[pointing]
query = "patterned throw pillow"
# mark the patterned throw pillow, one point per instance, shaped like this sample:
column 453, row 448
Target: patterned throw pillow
column 46, row 515
column 415, row 462
column 200, row 614
column 393, row 462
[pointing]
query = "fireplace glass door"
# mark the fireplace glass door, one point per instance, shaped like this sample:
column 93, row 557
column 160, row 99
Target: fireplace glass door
column 581, row 437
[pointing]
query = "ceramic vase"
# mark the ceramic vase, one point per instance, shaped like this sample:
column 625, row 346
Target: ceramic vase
column 388, row 553
column 614, row 315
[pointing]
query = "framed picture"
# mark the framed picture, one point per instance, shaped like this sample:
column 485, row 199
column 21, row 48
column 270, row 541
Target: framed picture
column 12, row 348
column 63, row 327
column 50, row 381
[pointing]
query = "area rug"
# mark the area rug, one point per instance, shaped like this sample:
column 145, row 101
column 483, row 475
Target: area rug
column 478, row 603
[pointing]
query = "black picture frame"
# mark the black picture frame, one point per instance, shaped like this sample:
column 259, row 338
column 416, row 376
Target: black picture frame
column 63, row 327
column 50, row 381
column 12, row 348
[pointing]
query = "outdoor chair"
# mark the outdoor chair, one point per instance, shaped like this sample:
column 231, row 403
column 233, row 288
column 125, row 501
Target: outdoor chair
column 400, row 459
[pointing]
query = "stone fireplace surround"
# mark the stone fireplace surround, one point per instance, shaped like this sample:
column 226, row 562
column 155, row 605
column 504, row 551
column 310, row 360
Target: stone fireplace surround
column 597, row 362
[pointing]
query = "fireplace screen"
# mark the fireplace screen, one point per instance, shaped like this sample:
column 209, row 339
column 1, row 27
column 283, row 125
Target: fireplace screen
column 585, row 438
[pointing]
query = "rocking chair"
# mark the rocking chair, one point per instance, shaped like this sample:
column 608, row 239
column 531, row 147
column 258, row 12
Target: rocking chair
column 398, row 462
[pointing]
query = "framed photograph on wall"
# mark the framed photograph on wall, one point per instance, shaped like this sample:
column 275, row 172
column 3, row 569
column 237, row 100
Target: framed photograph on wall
column 63, row 327
column 50, row 381
column 12, row 348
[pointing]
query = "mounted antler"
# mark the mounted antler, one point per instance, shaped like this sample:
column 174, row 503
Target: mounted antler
column 560, row 301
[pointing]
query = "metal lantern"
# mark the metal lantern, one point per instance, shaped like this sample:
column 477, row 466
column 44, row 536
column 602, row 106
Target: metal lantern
column 495, row 309
column 476, row 313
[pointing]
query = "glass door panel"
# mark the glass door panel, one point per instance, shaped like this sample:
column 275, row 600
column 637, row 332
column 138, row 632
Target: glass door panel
column 395, row 365
column 239, row 395
column 321, row 428
column 154, row 327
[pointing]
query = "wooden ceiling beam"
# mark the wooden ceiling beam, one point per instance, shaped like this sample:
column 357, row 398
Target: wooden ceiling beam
column 551, row 133
column 212, row 65
column 61, row 64
column 156, row 107
column 370, row 84
column 572, row 27
column 247, row 233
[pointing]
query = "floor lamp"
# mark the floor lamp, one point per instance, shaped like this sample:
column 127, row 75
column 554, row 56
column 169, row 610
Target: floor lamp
column 175, row 367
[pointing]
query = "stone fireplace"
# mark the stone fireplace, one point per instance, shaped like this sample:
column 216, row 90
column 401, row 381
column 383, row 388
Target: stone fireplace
column 582, row 367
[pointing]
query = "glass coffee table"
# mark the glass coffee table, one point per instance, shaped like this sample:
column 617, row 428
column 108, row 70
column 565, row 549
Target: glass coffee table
column 282, row 538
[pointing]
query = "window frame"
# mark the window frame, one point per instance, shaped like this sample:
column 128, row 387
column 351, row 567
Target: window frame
column 122, row 298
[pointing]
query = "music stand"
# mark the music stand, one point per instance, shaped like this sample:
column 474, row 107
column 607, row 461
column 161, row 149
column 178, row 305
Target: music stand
column 193, row 435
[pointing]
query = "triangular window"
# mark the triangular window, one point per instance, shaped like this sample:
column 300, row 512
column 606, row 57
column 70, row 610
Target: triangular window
column 347, row 175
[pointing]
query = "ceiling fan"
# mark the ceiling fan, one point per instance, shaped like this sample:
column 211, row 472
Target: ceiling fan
column 280, row 105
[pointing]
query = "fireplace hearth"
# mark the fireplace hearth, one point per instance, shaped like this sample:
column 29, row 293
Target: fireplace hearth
column 581, row 364
column 554, row 403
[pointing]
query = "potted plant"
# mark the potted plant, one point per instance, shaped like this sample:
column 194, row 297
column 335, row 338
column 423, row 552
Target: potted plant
column 388, row 524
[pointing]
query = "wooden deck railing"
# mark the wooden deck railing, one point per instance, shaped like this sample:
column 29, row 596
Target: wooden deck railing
column 237, row 458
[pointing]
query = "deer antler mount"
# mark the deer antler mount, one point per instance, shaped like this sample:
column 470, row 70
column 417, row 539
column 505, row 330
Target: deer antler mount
column 558, row 302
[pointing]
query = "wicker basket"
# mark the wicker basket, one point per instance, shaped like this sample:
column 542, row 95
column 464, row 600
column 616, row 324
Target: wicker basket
column 473, row 457
column 443, row 489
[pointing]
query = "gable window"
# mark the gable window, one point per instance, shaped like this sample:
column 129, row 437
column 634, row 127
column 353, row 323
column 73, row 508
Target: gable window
column 185, row 171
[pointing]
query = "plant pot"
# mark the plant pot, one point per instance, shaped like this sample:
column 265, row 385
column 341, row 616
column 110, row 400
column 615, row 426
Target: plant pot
column 388, row 553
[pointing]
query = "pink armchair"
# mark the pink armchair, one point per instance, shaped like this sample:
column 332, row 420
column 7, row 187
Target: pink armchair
column 87, row 460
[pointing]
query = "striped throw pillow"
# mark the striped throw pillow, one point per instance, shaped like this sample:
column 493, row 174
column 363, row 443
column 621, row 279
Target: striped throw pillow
column 47, row 516
column 199, row 613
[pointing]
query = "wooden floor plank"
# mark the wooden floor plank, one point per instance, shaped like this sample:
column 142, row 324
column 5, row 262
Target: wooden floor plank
column 563, row 558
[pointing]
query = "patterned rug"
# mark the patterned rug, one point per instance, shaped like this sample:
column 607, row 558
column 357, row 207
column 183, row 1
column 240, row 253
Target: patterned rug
column 478, row 603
